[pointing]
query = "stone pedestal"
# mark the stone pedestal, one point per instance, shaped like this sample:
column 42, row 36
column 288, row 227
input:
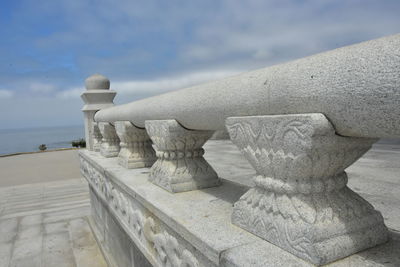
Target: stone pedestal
column 136, row 146
column 97, row 96
column 180, row 165
column 300, row 201
column 110, row 142
column 97, row 137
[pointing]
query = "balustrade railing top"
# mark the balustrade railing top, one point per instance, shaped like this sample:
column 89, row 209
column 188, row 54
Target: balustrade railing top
column 356, row 87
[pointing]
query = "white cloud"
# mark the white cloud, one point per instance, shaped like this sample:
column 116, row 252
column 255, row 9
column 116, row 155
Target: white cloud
column 260, row 33
column 165, row 84
column 42, row 88
column 70, row 93
column 6, row 93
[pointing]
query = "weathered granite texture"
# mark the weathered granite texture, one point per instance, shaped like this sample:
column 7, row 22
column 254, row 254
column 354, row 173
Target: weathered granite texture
column 136, row 146
column 300, row 201
column 110, row 143
column 97, row 96
column 356, row 87
column 180, row 165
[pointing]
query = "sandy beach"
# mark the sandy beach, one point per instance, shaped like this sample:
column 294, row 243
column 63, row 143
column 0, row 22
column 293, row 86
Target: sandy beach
column 39, row 167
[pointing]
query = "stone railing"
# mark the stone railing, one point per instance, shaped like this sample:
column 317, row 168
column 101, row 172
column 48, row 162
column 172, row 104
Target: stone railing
column 299, row 124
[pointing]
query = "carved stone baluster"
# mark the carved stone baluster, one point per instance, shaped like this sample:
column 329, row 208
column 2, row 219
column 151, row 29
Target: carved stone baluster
column 97, row 137
column 136, row 146
column 300, row 201
column 180, row 165
column 110, row 142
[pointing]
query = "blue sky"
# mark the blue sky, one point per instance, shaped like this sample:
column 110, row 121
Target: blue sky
column 48, row 47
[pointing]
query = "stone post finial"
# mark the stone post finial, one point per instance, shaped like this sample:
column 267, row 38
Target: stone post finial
column 97, row 96
column 97, row 82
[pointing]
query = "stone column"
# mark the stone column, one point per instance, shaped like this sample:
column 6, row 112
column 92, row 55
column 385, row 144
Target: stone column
column 110, row 143
column 136, row 146
column 300, row 201
column 180, row 165
column 97, row 96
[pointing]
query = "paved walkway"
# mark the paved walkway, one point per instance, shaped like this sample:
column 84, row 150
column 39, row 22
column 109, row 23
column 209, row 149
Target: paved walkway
column 45, row 224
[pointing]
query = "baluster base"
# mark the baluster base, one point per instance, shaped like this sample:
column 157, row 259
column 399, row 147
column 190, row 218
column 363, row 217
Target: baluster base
column 180, row 165
column 300, row 201
column 110, row 143
column 136, row 146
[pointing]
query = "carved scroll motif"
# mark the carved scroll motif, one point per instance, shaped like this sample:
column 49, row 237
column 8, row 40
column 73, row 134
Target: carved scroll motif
column 163, row 246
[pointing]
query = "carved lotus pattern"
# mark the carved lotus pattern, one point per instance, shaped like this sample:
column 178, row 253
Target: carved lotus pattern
column 300, row 201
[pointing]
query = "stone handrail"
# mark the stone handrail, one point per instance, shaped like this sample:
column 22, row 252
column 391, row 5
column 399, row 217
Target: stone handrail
column 299, row 124
column 356, row 87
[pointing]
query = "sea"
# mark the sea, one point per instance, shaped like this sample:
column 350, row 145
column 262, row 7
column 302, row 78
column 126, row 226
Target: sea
column 29, row 139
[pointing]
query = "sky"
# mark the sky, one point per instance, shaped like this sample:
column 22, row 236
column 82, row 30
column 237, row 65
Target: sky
column 49, row 47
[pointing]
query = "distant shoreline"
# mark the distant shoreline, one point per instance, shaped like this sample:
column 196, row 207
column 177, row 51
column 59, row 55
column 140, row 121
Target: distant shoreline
column 18, row 141
column 35, row 152
column 41, row 128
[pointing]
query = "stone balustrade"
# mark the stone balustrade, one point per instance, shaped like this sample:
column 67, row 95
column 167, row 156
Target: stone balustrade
column 299, row 124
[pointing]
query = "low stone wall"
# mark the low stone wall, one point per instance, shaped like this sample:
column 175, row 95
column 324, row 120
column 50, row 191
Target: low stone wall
column 117, row 247
column 138, row 223
column 130, row 233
